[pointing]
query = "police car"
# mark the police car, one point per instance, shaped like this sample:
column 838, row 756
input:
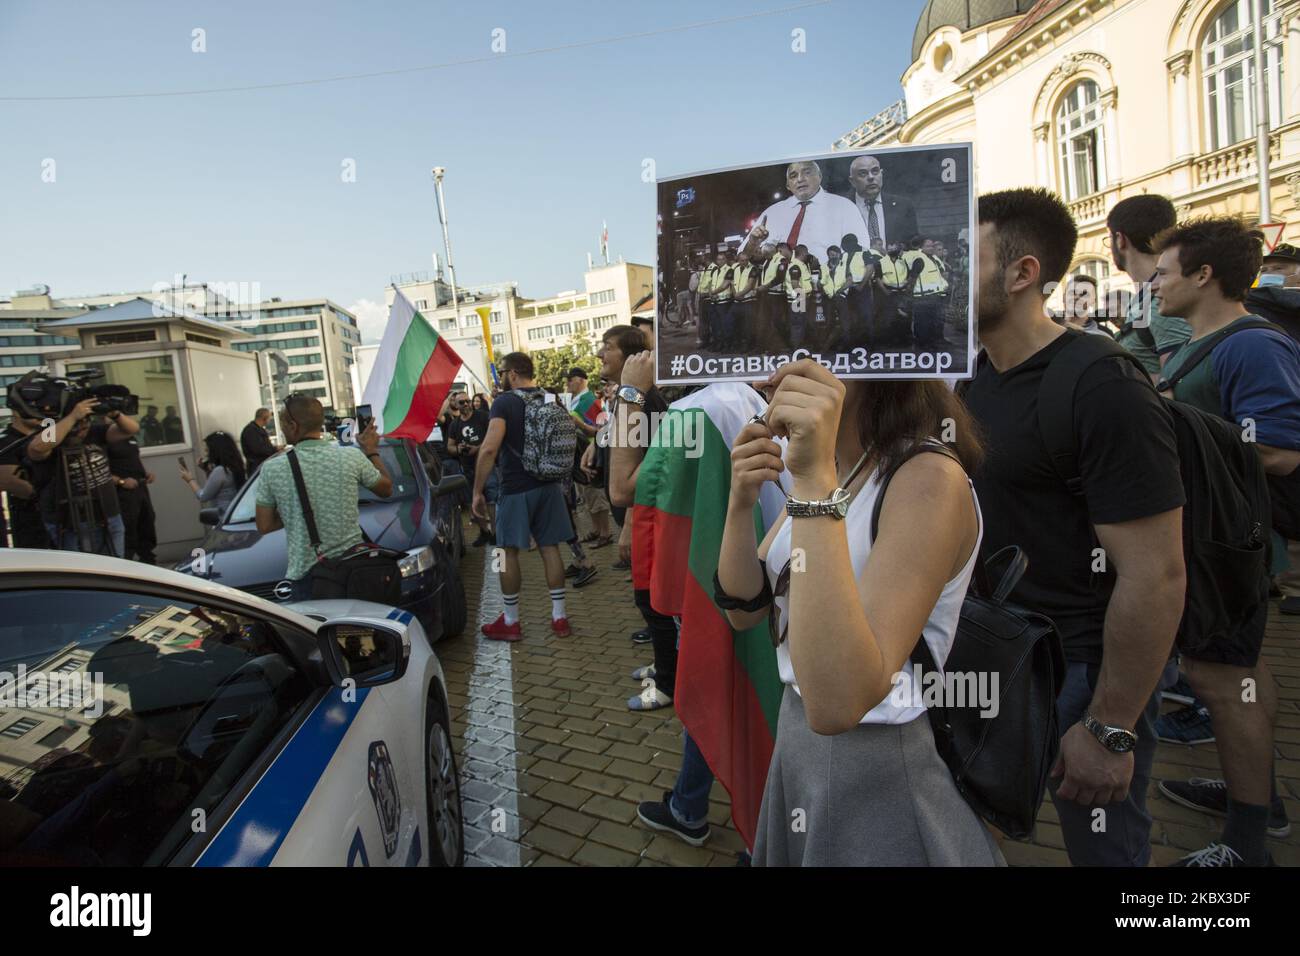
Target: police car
column 153, row 718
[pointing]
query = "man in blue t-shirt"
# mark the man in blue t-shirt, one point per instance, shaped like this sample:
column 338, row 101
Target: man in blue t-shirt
column 527, row 507
column 1251, row 378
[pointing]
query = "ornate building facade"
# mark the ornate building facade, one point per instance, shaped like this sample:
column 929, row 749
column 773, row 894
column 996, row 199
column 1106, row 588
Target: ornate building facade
column 1103, row 99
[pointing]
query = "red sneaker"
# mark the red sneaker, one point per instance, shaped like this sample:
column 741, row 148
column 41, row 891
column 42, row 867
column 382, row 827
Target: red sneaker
column 560, row 625
column 499, row 630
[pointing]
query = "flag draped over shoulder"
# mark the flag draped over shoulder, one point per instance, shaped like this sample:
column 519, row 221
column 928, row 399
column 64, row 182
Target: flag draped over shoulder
column 413, row 372
column 728, row 691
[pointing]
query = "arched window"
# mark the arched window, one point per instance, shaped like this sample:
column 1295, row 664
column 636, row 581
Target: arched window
column 1228, row 65
column 1079, row 140
column 1099, row 269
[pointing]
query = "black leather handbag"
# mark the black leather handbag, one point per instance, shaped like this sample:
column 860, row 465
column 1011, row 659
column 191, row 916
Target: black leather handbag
column 366, row 572
column 999, row 762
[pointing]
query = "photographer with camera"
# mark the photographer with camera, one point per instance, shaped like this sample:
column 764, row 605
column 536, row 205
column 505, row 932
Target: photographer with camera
column 75, row 483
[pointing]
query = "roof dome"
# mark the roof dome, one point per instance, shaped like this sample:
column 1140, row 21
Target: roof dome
column 964, row 15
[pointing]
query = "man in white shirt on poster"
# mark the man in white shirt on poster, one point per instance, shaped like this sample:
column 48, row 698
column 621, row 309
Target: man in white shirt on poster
column 809, row 216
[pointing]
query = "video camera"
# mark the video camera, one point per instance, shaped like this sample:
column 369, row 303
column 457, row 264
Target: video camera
column 37, row 395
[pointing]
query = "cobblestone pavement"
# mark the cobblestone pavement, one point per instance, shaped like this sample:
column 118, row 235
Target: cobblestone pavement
column 553, row 763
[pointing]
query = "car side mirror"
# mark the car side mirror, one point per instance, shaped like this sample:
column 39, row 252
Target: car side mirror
column 365, row 654
column 210, row 516
column 450, row 484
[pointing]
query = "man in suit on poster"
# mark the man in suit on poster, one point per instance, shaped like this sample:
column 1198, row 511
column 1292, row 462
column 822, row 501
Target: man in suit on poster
column 809, row 216
column 887, row 218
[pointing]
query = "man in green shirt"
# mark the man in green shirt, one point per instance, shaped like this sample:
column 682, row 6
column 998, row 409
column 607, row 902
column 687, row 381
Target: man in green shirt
column 332, row 474
column 1150, row 336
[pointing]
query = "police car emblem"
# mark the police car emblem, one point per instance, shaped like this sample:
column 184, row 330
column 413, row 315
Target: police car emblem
column 383, row 790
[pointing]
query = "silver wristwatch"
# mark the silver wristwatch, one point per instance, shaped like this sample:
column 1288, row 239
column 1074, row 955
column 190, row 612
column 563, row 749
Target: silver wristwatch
column 836, row 506
column 1115, row 739
column 631, row 394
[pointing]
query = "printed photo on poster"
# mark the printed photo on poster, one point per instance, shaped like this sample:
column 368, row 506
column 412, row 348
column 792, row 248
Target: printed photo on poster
column 859, row 259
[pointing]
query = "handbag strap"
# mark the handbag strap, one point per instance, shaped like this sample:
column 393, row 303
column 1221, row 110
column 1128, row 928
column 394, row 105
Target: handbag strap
column 304, row 500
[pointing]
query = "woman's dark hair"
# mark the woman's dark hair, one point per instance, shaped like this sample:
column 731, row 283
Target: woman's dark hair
column 223, row 451
column 480, row 402
column 894, row 416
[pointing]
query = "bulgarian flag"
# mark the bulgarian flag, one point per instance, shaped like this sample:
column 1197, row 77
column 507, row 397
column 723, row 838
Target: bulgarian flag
column 413, row 373
column 728, row 690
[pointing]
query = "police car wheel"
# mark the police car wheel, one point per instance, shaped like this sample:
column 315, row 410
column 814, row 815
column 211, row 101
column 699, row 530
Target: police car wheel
column 451, row 600
column 445, row 823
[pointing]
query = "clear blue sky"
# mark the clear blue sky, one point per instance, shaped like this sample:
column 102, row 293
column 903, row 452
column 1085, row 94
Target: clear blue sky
column 246, row 186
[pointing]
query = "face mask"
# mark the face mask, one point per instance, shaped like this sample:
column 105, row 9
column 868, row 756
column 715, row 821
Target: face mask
column 1271, row 278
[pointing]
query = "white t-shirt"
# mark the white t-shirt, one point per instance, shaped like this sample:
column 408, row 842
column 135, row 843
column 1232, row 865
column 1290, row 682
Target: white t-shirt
column 939, row 630
column 826, row 221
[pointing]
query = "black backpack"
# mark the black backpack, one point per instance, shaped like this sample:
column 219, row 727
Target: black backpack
column 999, row 764
column 1283, row 490
column 1225, row 518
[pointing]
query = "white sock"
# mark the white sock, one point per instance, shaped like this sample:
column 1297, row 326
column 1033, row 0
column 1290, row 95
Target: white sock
column 557, row 603
column 512, row 608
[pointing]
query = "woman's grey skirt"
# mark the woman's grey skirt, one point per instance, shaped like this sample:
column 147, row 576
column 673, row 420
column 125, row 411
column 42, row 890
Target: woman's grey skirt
column 878, row 795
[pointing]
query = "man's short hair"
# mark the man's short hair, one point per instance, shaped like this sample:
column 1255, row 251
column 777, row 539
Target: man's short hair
column 1141, row 218
column 1084, row 278
column 305, row 411
column 1031, row 222
column 1232, row 249
column 628, row 338
column 577, row 372
column 518, row 362
column 261, row 411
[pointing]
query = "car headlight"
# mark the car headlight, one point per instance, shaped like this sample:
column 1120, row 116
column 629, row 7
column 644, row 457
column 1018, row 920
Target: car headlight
column 417, row 561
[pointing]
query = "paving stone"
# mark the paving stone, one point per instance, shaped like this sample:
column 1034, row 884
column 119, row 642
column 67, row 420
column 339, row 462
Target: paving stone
column 670, row 850
column 593, row 762
column 551, row 770
column 548, row 840
column 564, row 795
column 599, row 783
column 631, row 771
column 594, row 854
column 584, row 742
column 609, row 808
column 570, row 821
column 631, row 837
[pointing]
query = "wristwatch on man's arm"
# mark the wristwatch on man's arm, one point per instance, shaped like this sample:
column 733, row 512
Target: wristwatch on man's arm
column 1117, row 740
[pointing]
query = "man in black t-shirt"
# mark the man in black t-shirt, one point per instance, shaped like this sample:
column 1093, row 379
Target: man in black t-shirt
column 465, row 435
column 25, row 524
column 1107, row 564
column 527, row 508
column 133, row 481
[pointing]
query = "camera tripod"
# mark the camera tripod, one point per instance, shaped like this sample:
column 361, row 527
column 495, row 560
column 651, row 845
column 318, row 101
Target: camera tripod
column 81, row 507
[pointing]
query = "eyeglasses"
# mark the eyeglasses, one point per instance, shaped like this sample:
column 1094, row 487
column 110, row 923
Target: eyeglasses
column 775, row 631
column 1105, row 241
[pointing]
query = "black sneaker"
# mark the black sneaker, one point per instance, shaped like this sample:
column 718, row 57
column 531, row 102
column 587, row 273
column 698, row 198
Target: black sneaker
column 572, row 571
column 1191, row 725
column 585, row 576
column 1180, row 693
column 1290, row 604
column 1216, row 854
column 1211, row 796
column 621, row 566
column 642, row 636
column 482, row 539
column 658, row 816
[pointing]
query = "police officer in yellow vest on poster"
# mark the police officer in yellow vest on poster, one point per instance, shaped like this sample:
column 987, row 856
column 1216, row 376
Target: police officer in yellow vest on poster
column 859, row 270
column 800, row 295
column 773, row 318
column 929, row 294
column 835, row 293
column 722, row 296
column 894, row 298
column 708, row 311
column 739, row 335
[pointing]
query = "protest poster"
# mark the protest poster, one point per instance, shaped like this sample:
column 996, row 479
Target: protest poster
column 859, row 259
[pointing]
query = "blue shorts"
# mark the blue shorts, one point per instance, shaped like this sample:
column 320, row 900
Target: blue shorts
column 539, row 514
column 492, row 487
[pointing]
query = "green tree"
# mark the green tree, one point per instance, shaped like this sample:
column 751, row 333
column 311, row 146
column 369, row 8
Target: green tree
column 552, row 365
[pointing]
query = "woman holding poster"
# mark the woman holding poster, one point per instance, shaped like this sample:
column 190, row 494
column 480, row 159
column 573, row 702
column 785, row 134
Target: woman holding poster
column 855, row 778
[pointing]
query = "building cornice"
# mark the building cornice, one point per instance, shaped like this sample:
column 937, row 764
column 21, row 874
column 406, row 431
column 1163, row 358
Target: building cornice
column 1058, row 25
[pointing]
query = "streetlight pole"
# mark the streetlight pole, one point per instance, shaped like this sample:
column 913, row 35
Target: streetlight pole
column 1261, row 120
column 438, row 173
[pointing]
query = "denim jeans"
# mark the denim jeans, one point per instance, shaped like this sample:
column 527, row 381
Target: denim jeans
column 1126, row 840
column 689, row 802
column 70, row 540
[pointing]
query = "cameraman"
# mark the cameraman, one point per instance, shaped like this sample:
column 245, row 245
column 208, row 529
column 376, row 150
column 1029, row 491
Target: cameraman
column 74, row 454
column 15, row 479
